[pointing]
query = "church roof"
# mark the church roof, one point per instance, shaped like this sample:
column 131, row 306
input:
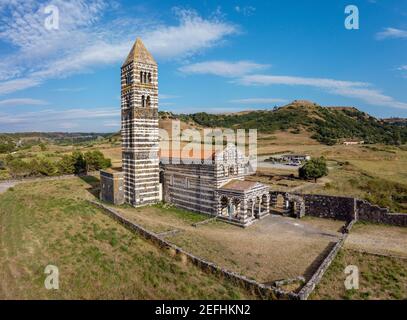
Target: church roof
column 201, row 154
column 239, row 185
column 139, row 53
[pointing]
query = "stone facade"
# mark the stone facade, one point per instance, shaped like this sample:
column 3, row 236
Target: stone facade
column 139, row 105
column 112, row 186
column 215, row 186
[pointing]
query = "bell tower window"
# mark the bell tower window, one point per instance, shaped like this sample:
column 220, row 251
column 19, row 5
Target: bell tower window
column 128, row 78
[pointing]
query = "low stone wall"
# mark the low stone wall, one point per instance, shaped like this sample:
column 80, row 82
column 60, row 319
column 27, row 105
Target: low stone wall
column 372, row 213
column 317, row 276
column 338, row 208
column 263, row 291
column 309, row 287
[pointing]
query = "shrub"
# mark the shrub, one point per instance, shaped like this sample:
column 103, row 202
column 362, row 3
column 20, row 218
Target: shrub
column 313, row 169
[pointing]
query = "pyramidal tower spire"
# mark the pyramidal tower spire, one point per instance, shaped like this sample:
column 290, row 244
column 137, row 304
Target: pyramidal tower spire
column 139, row 126
column 139, row 53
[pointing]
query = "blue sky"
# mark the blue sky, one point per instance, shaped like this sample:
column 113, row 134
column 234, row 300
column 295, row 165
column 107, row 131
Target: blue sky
column 214, row 56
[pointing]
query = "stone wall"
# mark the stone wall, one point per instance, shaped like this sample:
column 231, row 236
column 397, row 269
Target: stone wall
column 310, row 286
column 262, row 290
column 371, row 213
column 339, row 208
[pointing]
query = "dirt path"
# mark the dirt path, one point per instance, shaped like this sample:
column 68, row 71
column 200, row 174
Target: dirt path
column 378, row 239
column 4, row 186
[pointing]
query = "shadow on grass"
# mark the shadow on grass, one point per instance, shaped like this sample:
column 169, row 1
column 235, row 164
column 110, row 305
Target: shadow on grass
column 94, row 184
column 313, row 267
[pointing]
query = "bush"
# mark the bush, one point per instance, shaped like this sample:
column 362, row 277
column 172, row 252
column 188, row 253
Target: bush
column 313, row 169
column 66, row 165
column 18, row 168
column 95, row 160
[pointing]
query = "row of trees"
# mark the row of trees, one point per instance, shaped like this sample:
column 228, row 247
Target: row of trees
column 76, row 163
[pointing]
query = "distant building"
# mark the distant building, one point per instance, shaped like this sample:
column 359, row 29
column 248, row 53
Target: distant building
column 290, row 158
column 352, row 143
column 295, row 157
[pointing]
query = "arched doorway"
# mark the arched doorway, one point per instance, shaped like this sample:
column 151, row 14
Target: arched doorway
column 224, row 205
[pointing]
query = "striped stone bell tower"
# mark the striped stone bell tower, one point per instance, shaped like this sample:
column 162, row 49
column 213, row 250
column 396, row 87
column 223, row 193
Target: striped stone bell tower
column 139, row 113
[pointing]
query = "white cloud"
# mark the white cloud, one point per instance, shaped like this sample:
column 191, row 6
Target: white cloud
column 246, row 10
column 22, row 101
column 167, row 96
column 351, row 89
column 18, row 84
column 403, row 68
column 391, row 33
column 85, row 41
column 259, row 79
column 193, row 34
column 58, row 116
column 78, row 89
column 223, row 68
column 115, row 124
column 258, row 101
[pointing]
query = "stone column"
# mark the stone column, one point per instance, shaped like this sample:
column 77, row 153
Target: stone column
column 243, row 210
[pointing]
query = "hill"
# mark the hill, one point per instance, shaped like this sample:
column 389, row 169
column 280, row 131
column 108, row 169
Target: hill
column 328, row 125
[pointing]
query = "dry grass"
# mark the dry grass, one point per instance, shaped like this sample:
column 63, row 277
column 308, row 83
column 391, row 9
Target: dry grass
column 379, row 278
column 51, row 223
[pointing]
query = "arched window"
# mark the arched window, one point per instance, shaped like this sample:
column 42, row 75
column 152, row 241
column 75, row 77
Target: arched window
column 128, row 78
column 141, row 76
column 148, row 102
column 143, row 101
column 149, row 77
column 145, row 77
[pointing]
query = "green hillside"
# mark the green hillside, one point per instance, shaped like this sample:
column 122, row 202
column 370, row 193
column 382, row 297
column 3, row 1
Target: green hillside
column 328, row 125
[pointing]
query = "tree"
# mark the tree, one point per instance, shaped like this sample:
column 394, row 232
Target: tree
column 66, row 165
column 43, row 147
column 47, row 167
column 79, row 162
column 18, row 168
column 314, row 169
column 95, row 160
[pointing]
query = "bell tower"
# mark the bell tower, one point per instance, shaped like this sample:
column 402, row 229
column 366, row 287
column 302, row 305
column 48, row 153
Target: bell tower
column 139, row 126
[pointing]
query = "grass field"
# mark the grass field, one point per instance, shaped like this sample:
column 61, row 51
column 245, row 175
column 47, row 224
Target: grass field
column 50, row 222
column 380, row 277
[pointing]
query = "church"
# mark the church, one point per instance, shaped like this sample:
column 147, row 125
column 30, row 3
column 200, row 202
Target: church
column 213, row 185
